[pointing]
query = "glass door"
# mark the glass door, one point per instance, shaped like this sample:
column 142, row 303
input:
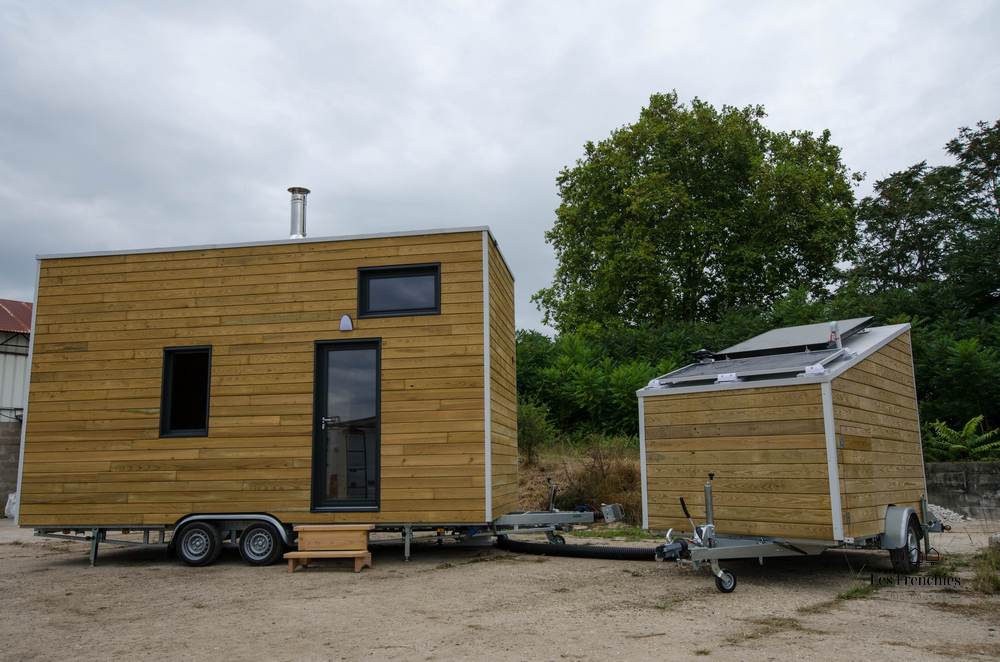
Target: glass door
column 346, row 426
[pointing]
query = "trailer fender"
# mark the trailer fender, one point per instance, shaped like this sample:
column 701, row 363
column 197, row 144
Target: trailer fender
column 897, row 518
column 241, row 517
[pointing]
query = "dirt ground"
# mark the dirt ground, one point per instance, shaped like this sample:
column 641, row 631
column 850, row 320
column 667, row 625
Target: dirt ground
column 466, row 603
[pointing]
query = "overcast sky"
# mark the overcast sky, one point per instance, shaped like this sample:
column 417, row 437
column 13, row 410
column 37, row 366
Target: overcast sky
column 155, row 124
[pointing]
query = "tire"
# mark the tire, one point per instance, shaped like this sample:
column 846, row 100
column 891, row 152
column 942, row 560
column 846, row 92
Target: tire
column 260, row 544
column 198, row 543
column 906, row 559
column 727, row 582
column 557, row 540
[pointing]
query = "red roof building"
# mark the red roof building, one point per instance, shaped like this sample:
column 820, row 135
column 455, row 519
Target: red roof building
column 15, row 316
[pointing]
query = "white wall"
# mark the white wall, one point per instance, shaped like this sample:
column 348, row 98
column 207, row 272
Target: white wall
column 13, row 372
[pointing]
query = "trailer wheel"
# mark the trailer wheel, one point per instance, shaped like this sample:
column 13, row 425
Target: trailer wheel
column 198, row 543
column 726, row 582
column 260, row 544
column 906, row 559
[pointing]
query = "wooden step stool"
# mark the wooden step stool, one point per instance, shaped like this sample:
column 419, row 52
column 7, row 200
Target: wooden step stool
column 331, row 541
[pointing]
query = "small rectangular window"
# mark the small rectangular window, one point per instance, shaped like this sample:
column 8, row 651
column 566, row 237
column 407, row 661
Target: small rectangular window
column 403, row 290
column 184, row 396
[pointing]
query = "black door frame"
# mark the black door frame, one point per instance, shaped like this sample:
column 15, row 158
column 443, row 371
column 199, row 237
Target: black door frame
column 320, row 385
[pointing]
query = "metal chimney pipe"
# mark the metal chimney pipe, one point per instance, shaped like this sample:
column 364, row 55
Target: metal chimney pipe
column 298, row 211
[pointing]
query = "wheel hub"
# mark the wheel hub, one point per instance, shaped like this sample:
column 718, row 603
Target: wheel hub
column 259, row 545
column 196, row 544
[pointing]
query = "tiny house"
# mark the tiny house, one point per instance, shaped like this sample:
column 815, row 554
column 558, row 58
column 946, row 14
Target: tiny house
column 363, row 379
column 810, row 433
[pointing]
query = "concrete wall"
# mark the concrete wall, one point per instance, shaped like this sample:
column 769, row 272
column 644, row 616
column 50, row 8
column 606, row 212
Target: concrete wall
column 10, row 446
column 971, row 488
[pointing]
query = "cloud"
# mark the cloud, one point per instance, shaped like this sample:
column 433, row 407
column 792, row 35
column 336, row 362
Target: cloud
column 149, row 124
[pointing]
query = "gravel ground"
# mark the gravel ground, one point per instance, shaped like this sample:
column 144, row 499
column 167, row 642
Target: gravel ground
column 947, row 516
column 453, row 603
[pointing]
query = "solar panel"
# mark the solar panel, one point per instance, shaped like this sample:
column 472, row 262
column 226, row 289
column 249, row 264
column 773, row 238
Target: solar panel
column 750, row 367
column 795, row 338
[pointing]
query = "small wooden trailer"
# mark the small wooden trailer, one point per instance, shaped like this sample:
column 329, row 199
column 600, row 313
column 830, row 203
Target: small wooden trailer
column 793, row 442
column 248, row 388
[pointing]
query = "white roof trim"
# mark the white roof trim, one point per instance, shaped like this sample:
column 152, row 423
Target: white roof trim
column 861, row 345
column 891, row 333
column 273, row 242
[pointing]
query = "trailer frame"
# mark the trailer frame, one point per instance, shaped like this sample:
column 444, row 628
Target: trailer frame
column 708, row 547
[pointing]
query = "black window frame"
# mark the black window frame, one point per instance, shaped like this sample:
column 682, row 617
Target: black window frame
column 320, row 375
column 165, row 396
column 365, row 274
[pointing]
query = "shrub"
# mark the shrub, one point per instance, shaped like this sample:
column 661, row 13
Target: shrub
column 534, row 429
column 943, row 444
column 609, row 474
column 987, row 568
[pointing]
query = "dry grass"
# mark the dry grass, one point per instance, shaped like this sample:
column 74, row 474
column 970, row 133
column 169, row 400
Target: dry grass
column 616, row 532
column 818, row 608
column 857, row 592
column 951, row 650
column 986, row 566
column 942, row 570
column 601, row 473
column 959, row 651
column 669, row 603
column 769, row 626
column 861, row 590
column 983, row 609
column 606, row 475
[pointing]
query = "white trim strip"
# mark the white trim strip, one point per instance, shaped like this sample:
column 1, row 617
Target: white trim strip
column 832, row 467
column 503, row 260
column 842, row 367
column 804, row 380
column 27, row 392
column 642, row 464
column 487, row 394
column 273, row 242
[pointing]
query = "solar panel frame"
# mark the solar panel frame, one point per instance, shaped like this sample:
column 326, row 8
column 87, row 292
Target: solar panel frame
column 793, row 339
column 760, row 366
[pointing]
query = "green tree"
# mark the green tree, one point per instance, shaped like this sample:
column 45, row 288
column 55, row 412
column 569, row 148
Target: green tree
column 972, row 264
column 943, row 444
column 692, row 211
column 534, row 354
column 939, row 224
column 978, row 154
column 957, row 378
column 910, row 225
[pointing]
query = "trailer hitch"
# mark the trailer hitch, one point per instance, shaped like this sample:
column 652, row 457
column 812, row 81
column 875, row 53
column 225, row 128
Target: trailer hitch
column 672, row 550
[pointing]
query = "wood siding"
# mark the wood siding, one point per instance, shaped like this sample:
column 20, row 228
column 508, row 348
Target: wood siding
column 881, row 463
column 93, row 454
column 503, row 386
column 766, row 447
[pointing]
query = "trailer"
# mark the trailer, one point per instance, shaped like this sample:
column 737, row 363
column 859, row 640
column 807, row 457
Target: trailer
column 200, row 395
column 809, row 438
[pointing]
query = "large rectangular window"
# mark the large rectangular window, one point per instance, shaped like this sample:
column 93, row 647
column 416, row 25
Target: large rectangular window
column 399, row 290
column 184, row 395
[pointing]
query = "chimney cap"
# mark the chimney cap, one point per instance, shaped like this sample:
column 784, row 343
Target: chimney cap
column 298, row 189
